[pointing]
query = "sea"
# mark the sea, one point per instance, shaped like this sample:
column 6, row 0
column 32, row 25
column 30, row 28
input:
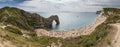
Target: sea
column 71, row 20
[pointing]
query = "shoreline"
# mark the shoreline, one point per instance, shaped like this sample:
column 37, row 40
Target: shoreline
column 73, row 33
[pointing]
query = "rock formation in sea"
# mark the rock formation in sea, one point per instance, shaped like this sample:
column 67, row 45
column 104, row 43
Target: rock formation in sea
column 26, row 20
column 49, row 21
column 16, row 30
column 17, row 26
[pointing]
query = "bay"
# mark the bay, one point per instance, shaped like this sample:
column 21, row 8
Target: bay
column 71, row 21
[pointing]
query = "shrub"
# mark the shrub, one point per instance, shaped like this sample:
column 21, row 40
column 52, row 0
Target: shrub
column 13, row 30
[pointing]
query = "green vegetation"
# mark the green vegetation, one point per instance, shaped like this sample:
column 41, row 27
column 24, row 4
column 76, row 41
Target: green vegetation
column 99, row 34
column 21, row 18
column 89, row 40
column 45, row 40
column 22, row 22
column 9, row 15
column 113, row 10
column 13, row 30
column 18, row 40
column 25, row 21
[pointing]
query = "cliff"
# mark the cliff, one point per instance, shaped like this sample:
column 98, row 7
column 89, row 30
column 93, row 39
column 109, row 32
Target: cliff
column 17, row 30
column 104, row 32
column 24, row 19
column 105, row 35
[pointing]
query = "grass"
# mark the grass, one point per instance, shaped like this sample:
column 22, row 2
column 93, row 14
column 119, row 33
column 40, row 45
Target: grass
column 44, row 40
column 13, row 30
column 14, row 35
column 14, row 38
column 88, row 40
column 98, row 35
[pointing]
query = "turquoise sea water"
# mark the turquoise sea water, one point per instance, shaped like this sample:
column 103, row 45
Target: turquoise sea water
column 71, row 21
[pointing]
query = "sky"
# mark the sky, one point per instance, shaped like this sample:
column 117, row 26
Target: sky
column 60, row 5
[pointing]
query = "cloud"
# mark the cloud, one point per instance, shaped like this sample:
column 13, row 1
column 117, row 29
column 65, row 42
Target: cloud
column 67, row 5
column 61, row 1
column 6, row 0
column 104, row 3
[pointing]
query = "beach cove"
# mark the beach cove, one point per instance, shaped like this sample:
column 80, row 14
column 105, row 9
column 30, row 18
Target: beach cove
column 73, row 33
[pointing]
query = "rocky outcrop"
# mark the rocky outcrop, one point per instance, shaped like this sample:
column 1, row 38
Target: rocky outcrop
column 50, row 20
column 98, row 12
column 74, row 33
column 107, row 16
column 25, row 20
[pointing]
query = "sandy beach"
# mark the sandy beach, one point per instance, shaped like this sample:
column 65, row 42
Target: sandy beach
column 73, row 33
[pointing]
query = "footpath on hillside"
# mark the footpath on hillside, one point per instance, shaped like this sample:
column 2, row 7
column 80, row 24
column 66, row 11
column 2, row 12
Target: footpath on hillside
column 116, row 41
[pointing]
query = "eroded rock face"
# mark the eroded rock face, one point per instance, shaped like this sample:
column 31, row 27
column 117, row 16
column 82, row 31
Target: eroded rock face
column 73, row 33
column 37, row 21
column 26, row 20
column 51, row 19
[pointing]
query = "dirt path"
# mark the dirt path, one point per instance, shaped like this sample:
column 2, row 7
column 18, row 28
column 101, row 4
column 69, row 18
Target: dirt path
column 6, row 44
column 116, row 41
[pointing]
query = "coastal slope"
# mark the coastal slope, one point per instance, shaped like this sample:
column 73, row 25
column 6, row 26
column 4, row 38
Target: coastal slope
column 17, row 30
column 25, row 20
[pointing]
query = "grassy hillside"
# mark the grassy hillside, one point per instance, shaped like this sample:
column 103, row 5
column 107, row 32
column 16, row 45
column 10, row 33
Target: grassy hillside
column 15, row 38
column 14, row 23
column 19, row 20
column 12, row 16
column 100, row 32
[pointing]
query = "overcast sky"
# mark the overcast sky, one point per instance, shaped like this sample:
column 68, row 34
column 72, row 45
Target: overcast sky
column 60, row 5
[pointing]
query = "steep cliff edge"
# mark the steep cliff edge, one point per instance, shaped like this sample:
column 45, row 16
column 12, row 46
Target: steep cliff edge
column 16, row 26
column 101, row 36
column 113, row 20
column 25, row 20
